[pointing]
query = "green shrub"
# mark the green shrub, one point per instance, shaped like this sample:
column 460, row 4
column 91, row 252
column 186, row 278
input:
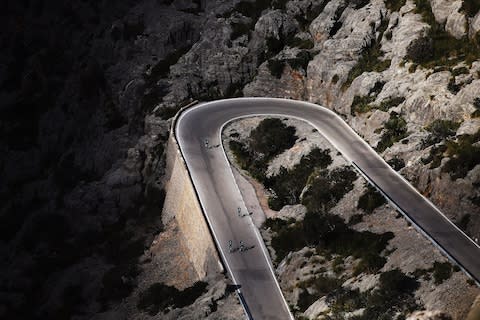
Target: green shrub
column 435, row 156
column 301, row 60
column 370, row 200
column 276, row 224
column 370, row 58
column 288, row 184
column 305, row 18
column 361, row 104
column 370, row 263
column 441, row 272
column 441, row 48
column 476, row 103
column 271, row 137
column 440, row 130
column 396, row 163
column 471, row 7
column 154, row 91
column 337, row 265
column 327, row 188
column 320, row 285
column 301, row 43
column 331, row 235
column 390, row 103
column 239, row 29
column 394, row 5
column 464, row 155
column 395, row 130
column 357, row 4
column 305, row 300
column 460, row 70
column 240, row 151
column 168, row 112
column 276, row 67
column 364, row 104
column 395, row 295
column 275, row 45
column 344, row 300
column 452, row 86
column 153, row 95
column 443, row 128
column 394, row 282
column 252, row 9
column 420, row 50
column 162, row 68
column 355, row 219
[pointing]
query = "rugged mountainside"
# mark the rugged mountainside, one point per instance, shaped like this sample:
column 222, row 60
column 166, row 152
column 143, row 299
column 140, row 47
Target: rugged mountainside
column 87, row 89
column 339, row 249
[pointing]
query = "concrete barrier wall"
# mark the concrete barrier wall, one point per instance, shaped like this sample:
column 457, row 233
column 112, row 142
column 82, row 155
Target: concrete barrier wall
column 182, row 204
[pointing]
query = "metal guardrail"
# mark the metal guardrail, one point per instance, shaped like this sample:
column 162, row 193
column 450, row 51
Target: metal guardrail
column 418, row 227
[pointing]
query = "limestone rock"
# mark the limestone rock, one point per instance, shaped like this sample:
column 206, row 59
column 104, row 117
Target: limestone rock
column 429, row 315
column 296, row 212
column 474, row 25
column 469, row 127
column 340, row 53
column 317, row 308
column 448, row 13
column 321, row 25
column 275, row 24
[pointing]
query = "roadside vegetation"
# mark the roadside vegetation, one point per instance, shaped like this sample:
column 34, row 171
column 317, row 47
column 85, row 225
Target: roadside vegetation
column 329, row 235
column 464, row 155
column 395, row 129
column 440, row 272
column 370, row 200
column 393, row 298
column 288, row 184
column 396, row 163
column 271, row 137
column 319, row 286
column 326, row 188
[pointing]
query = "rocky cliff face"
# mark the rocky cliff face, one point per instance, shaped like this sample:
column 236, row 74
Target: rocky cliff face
column 87, row 89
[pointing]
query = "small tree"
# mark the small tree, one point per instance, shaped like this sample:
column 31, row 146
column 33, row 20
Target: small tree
column 420, row 50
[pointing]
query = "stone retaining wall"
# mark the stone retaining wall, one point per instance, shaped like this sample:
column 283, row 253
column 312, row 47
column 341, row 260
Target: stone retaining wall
column 182, row 204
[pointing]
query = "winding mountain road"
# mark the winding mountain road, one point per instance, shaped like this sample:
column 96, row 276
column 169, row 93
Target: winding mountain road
column 220, row 197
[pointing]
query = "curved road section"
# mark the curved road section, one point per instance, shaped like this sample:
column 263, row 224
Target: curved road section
column 240, row 245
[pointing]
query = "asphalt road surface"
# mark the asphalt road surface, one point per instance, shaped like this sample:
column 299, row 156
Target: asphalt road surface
column 220, row 197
